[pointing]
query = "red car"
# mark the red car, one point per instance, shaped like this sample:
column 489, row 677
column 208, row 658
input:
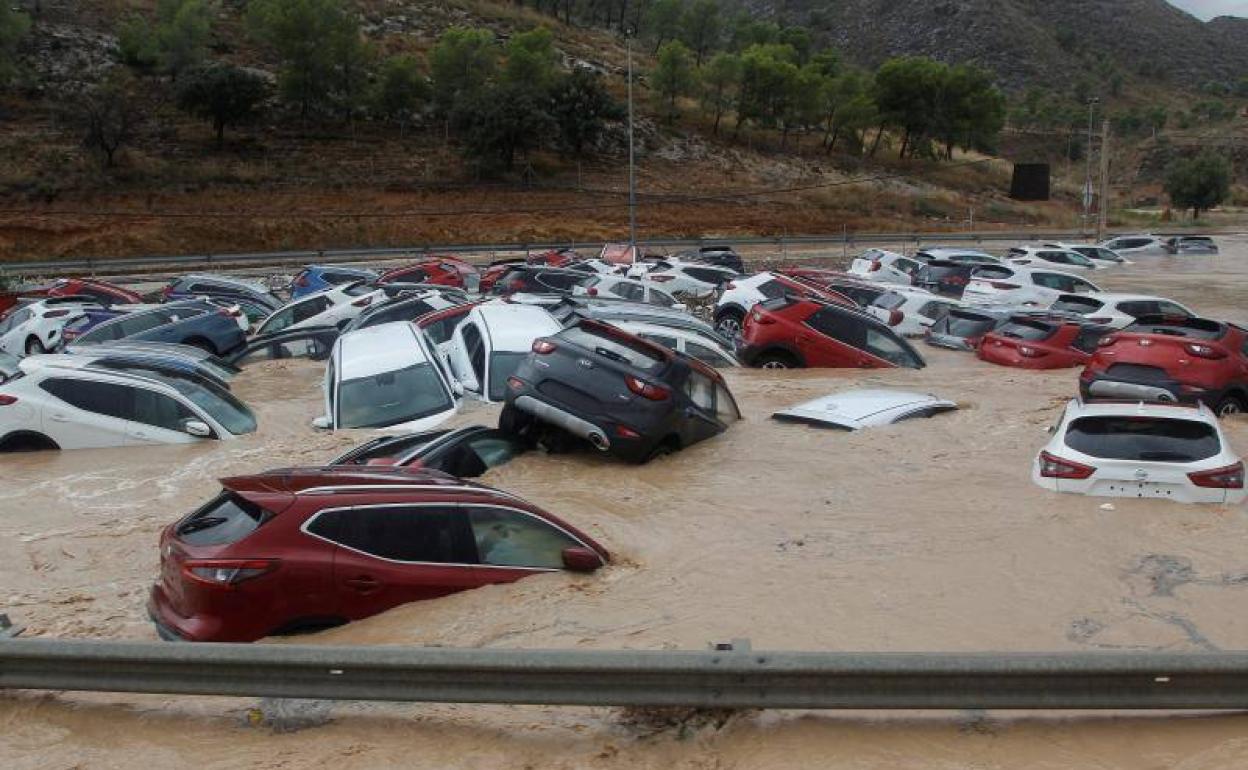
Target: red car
column 797, row 332
column 302, row 548
column 1029, row 342
column 1165, row 358
column 554, row 258
column 101, row 291
column 441, row 271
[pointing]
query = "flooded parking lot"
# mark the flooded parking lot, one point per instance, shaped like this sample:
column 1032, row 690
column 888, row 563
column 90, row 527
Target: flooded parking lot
column 927, row 535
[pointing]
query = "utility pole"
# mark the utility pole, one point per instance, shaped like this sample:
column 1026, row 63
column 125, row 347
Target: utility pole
column 1087, row 174
column 632, row 170
column 1103, row 206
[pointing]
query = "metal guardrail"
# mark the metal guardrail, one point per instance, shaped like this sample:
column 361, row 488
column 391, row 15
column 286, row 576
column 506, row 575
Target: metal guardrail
column 209, row 261
column 722, row 678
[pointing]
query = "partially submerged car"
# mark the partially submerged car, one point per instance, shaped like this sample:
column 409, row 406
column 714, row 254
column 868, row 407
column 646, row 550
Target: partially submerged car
column 742, row 294
column 1048, row 256
column 404, row 307
column 490, row 343
column 252, row 296
column 620, row 393
column 305, row 548
column 710, row 349
column 441, row 271
column 1041, row 342
column 885, row 267
column 865, row 408
column 957, row 254
column 1022, row 285
column 792, row 332
column 1136, row 245
column 1098, row 254
column 963, row 328
column 1161, row 358
column 316, row 278
column 1119, row 310
column 909, row 311
column 465, row 453
column 198, row 323
column 619, row 287
column 1190, row 244
column 388, row 376
column 945, row 277
column 36, row 327
column 335, row 306
column 1141, row 450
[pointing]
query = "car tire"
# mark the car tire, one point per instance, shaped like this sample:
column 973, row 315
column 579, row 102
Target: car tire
column 729, row 323
column 34, row 347
column 776, row 360
column 1229, row 405
column 515, row 422
column 26, row 441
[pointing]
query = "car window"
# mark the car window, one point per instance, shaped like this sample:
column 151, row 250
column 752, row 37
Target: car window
column 218, row 402
column 886, row 346
column 494, row 450
column 705, row 354
column 705, row 274
column 314, row 348
column 1054, row 256
column 614, row 348
column 862, row 295
column 106, row 398
column 558, row 281
column 1080, row 305
column 310, row 308
column 507, row 538
column 1054, row 281
column 398, row 533
column 1082, row 287
column 279, row 320
column 838, row 326
column 907, row 266
column 443, row 329
column 701, row 390
column 160, row 411
column 1143, row 439
column 1088, row 337
column 1026, row 329
column 391, row 398
column 1137, row 308
column 227, row 518
column 132, row 325
column 668, row 342
column 935, row 310
column 1171, row 309
column 889, row 300
column 725, row 405
column 402, row 311
column 772, row 289
column 992, row 273
column 474, row 346
column 503, row 364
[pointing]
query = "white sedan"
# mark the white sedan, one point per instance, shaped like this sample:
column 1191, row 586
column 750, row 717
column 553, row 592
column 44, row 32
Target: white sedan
column 1117, row 449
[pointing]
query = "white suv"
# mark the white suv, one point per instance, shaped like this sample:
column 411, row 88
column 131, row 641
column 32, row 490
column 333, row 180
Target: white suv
column 885, row 267
column 66, row 402
column 911, row 311
column 1018, row 285
column 1046, row 256
column 490, row 343
column 1129, row 245
column 36, row 328
column 744, row 293
column 1118, row 311
column 618, row 287
column 333, row 307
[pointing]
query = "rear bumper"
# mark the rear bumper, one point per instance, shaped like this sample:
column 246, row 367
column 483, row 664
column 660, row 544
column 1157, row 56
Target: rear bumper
column 601, row 434
column 170, row 626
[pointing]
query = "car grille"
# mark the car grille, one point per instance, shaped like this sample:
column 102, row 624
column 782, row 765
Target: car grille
column 1138, row 373
column 570, row 397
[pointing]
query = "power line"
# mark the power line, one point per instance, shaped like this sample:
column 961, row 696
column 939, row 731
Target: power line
column 729, row 196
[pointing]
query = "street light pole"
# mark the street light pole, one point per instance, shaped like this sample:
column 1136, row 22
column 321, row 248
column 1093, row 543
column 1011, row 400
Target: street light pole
column 632, row 171
column 1087, row 176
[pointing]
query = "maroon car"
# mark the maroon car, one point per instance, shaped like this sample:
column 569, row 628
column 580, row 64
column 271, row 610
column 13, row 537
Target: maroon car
column 305, row 548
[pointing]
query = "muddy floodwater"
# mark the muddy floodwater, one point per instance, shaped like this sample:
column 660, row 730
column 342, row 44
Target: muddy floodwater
column 927, row 535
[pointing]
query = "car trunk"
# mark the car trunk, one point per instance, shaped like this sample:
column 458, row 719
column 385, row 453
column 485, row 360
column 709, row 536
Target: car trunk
column 1143, row 456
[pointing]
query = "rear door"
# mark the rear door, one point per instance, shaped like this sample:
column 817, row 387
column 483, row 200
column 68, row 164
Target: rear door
column 467, row 355
column 86, row 413
column 699, row 419
column 388, row 555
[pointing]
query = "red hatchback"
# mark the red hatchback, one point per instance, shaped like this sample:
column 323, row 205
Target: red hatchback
column 1029, row 342
column 1164, row 358
column 440, row 271
column 305, row 548
column 101, row 291
column 798, row 332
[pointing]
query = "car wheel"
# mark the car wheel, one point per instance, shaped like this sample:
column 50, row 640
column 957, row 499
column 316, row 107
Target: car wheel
column 729, row 324
column 34, row 346
column 514, row 422
column 776, row 361
column 1228, row 406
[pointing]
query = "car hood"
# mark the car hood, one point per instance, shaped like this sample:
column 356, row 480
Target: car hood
column 858, row 409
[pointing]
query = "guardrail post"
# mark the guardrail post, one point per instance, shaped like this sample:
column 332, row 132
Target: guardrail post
column 7, row 629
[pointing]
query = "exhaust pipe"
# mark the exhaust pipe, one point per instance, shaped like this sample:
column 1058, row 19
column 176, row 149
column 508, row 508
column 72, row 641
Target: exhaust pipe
column 599, row 441
column 561, row 419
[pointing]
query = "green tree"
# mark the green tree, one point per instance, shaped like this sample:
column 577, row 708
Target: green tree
column 720, row 78
column 137, row 44
column 907, row 90
column 461, row 64
column 581, row 106
column 1199, row 183
column 970, row 110
column 182, row 33
column 222, row 94
column 768, row 71
column 13, row 27
column 107, row 116
column 531, row 60
column 804, row 107
column 500, row 122
column 746, row 31
column 401, row 90
column 673, row 76
column 797, row 38
column 662, row 21
column 848, row 108
column 319, row 44
column 701, row 28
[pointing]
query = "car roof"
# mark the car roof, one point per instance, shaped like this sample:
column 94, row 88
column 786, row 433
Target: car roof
column 512, row 327
column 345, row 478
column 864, row 407
column 1114, row 408
column 636, row 327
column 376, row 349
column 343, row 268
column 60, row 362
column 1109, row 297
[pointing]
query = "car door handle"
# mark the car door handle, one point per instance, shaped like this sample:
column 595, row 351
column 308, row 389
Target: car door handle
column 364, row 583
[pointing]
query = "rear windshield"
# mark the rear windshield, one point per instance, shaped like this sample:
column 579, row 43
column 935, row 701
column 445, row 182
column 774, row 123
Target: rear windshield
column 227, row 519
column 890, row 301
column 961, row 323
column 1195, row 328
column 992, row 273
column 1022, row 329
column 1144, row 439
column 937, row 270
column 1080, row 305
column 614, row 348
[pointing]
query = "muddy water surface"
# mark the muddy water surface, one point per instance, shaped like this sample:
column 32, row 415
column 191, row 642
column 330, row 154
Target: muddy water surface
column 923, row 536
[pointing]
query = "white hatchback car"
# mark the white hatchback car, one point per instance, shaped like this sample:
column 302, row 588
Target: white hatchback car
column 491, row 342
column 911, row 311
column 332, row 307
column 1117, row 449
column 1022, row 286
column 1098, row 254
column 687, row 278
column 36, row 328
column 387, row 376
column 67, row 402
column 1046, row 256
column 1118, row 311
column 885, row 267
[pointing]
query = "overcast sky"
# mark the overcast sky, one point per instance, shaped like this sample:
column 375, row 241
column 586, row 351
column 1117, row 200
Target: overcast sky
column 1207, row 9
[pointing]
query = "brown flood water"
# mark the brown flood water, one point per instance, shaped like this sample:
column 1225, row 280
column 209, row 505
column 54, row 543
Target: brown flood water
column 923, row 536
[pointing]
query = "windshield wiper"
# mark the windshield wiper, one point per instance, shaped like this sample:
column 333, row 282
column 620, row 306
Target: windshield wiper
column 205, row 523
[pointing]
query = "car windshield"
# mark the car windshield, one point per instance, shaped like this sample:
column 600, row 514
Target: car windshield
column 391, row 398
column 1079, row 305
column 1143, row 439
column 890, row 301
column 219, row 403
column 503, row 364
column 228, row 518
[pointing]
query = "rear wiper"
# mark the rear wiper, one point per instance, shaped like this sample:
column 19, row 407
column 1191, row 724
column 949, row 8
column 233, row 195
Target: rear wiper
column 612, row 355
column 198, row 524
column 1165, row 457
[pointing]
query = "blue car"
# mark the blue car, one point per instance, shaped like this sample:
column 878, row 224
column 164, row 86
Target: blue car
column 88, row 321
column 198, row 323
column 314, row 278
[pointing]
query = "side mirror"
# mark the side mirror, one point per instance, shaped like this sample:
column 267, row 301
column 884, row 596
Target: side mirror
column 322, row 423
column 578, row 559
column 197, row 428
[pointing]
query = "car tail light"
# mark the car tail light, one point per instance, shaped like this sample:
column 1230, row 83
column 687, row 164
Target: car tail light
column 364, row 301
column 230, row 312
column 592, row 291
column 895, row 317
column 515, row 383
column 623, row 431
column 1204, row 351
column 227, row 573
column 662, row 278
column 646, row 389
column 875, row 266
column 1230, row 477
column 1003, row 285
column 1030, row 352
column 7, row 400
column 56, row 314
column 515, row 285
column 544, row 347
column 1054, row 467
column 957, row 280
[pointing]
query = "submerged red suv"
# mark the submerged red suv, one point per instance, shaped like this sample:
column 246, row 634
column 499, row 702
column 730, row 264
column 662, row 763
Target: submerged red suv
column 1028, row 341
column 304, row 548
column 798, row 332
column 1166, row 358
